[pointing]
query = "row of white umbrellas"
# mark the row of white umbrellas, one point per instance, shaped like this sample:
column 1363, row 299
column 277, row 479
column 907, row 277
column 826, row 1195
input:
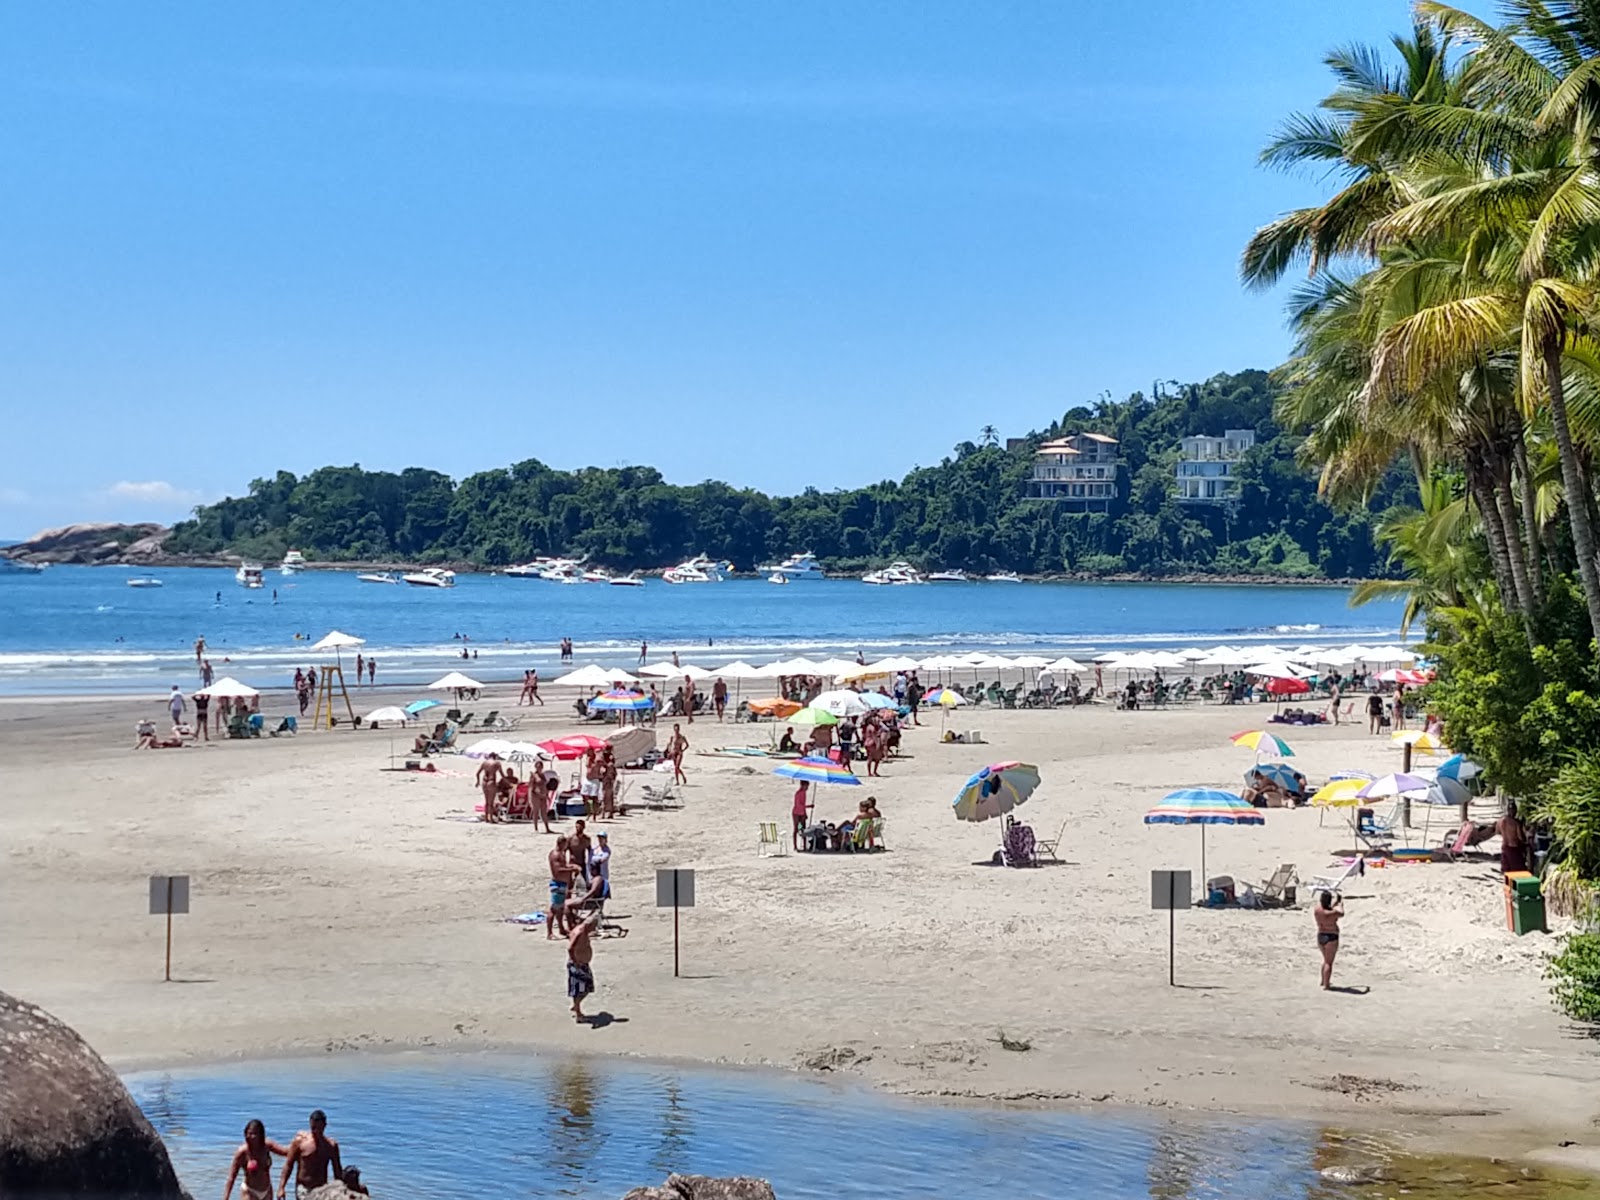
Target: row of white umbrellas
column 595, row 675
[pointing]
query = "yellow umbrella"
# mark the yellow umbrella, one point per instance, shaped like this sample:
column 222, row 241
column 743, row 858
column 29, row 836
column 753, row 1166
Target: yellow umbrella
column 1341, row 793
column 1425, row 742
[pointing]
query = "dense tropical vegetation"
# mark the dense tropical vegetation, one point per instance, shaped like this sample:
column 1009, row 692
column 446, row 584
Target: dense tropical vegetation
column 1448, row 322
column 970, row 511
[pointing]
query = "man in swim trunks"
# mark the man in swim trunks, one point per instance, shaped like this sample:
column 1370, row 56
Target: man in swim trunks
column 580, row 953
column 311, row 1154
column 561, row 873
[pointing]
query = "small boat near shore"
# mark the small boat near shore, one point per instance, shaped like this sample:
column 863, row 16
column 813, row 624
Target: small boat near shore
column 955, row 576
column 378, row 577
column 293, row 561
column 631, row 579
column 796, row 566
column 698, row 569
column 18, row 566
column 778, row 577
column 1002, row 577
column 434, row 577
column 896, row 574
column 144, row 581
column 250, row 575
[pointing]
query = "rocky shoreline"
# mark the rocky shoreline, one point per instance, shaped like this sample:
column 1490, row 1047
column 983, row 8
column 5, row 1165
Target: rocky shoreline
column 144, row 546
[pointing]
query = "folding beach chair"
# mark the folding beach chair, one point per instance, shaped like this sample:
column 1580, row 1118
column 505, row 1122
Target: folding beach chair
column 1047, row 847
column 1274, row 892
column 770, row 842
column 1335, row 882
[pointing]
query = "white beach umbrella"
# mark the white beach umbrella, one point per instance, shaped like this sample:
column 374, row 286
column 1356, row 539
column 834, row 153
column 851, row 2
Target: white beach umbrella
column 1275, row 670
column 483, row 747
column 1069, row 665
column 1194, row 654
column 836, row 666
column 658, row 670
column 994, row 662
column 795, row 666
column 339, row 641
column 866, row 671
column 765, row 671
column 229, row 688
column 896, row 663
column 1110, row 656
column 1169, row 662
column 1033, row 662
column 388, row 713
column 738, row 669
column 454, row 681
column 594, row 675
column 842, row 703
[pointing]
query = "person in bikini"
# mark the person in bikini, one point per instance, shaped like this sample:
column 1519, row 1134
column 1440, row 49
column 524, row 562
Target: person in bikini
column 1327, row 913
column 488, row 779
column 677, row 744
column 310, row 1156
column 254, row 1158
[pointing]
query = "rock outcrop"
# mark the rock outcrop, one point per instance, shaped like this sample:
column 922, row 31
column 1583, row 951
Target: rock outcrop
column 705, row 1187
column 67, row 1125
column 92, row 542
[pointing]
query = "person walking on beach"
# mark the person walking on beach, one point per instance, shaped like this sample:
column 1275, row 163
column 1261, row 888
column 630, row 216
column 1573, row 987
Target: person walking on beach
column 914, row 694
column 202, row 716
column 372, row 672
column 200, row 646
column 533, row 687
column 800, row 811
column 361, row 667
column 1336, row 693
column 254, row 1158
column 561, row 873
column 175, row 705
column 719, row 697
column 206, row 673
column 677, row 745
column 310, row 1156
column 488, row 778
column 1327, row 913
column 1374, row 713
column 644, row 652
column 580, row 956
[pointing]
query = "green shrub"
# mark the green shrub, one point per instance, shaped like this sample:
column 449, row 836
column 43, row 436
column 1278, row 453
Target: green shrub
column 1575, row 971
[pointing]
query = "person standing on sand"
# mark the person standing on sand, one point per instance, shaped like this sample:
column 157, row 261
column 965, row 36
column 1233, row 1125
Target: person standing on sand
column 488, row 778
column 580, row 954
column 372, row 672
column 1327, row 913
column 677, row 745
column 644, row 652
column 719, row 697
column 175, row 705
column 311, row 1154
column 361, row 667
column 200, row 646
column 561, row 873
column 1374, row 713
column 254, row 1158
column 1513, row 840
column 1336, row 693
column 202, row 716
column 800, row 810
column 533, row 687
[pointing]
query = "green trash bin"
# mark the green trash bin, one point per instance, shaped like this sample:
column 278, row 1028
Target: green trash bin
column 1525, row 884
column 1527, row 913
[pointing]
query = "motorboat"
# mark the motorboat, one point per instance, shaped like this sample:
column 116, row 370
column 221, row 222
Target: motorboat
column 631, row 579
column 895, row 574
column 560, row 570
column 250, row 575
column 955, row 576
column 777, row 577
column 596, row 577
column 17, row 566
column 531, row 570
column 144, row 581
column 293, row 561
column 378, row 577
column 1003, row 577
column 797, row 566
column 698, row 569
column 435, row 577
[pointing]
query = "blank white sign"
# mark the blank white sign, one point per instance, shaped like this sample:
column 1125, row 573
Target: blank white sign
column 665, row 877
column 158, row 894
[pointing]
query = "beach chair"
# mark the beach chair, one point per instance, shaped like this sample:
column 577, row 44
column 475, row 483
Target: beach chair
column 491, row 721
column 1274, row 892
column 239, row 726
column 287, row 726
column 665, row 796
column 1047, row 847
column 465, row 722
column 1334, row 882
column 769, row 842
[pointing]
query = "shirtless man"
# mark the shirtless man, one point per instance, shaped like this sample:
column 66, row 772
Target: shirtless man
column 677, row 744
column 311, row 1154
column 578, row 846
column 561, row 873
column 719, row 696
column 488, row 778
column 580, row 953
column 200, row 649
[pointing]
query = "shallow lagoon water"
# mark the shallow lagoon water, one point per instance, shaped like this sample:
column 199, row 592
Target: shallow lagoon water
column 519, row 1125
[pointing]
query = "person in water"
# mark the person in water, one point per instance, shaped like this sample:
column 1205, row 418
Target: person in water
column 1327, row 913
column 254, row 1158
column 311, row 1156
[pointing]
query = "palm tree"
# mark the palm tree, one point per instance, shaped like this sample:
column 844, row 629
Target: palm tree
column 989, row 435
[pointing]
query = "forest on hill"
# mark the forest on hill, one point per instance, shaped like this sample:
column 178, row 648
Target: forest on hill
column 971, row 510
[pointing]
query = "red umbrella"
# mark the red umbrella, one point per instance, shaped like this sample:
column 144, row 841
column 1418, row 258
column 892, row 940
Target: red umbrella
column 573, row 746
column 1287, row 687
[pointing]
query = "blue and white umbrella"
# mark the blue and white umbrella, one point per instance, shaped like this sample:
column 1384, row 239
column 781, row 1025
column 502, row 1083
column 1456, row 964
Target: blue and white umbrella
column 417, row 706
column 1458, row 767
column 1279, row 773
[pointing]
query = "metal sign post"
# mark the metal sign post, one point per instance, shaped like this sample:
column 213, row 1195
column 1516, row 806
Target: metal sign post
column 674, row 888
column 169, row 894
column 1170, row 890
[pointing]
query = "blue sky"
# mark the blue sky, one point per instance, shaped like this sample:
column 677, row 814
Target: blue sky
column 778, row 244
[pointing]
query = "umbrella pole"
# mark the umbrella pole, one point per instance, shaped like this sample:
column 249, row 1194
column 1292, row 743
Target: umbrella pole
column 1205, row 888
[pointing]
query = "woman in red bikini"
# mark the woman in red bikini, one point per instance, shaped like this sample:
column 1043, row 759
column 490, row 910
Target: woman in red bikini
column 254, row 1158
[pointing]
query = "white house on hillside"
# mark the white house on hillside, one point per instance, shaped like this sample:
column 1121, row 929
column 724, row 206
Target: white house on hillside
column 1079, row 471
column 1206, row 470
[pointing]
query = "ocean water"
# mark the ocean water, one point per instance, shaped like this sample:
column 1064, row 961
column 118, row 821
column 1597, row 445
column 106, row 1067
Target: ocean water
column 83, row 629
column 512, row 1125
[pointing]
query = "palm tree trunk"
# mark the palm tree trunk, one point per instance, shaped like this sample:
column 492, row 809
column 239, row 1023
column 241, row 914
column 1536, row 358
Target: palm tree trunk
column 1530, row 517
column 1494, row 531
column 1572, row 477
column 1506, row 512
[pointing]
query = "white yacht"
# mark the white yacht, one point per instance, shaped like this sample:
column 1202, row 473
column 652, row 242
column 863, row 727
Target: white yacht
column 797, row 566
column 955, row 576
column 631, row 579
column 250, row 575
column 144, row 581
column 436, row 577
column 698, row 569
column 293, row 561
column 525, row 571
column 1003, row 577
column 378, row 577
column 895, row 574
column 19, row 566
column 777, row 577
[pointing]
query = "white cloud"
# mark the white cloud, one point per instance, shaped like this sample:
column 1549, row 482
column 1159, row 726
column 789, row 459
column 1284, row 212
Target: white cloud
column 155, row 491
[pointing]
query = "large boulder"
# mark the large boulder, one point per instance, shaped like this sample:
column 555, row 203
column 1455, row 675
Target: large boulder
column 89, row 542
column 705, row 1187
column 67, row 1125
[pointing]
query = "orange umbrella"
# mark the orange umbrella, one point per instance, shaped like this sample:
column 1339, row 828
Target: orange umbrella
column 775, row 707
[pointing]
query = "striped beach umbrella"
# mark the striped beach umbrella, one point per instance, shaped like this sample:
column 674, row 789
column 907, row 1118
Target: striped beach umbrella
column 621, row 700
column 1394, row 785
column 1459, row 767
column 1279, row 773
column 1263, row 742
column 817, row 770
column 1202, row 807
column 944, row 697
column 996, row 790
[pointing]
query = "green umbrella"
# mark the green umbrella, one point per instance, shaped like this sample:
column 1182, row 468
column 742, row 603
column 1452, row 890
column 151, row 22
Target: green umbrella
column 814, row 716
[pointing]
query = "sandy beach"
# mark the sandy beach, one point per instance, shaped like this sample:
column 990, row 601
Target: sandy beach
column 340, row 907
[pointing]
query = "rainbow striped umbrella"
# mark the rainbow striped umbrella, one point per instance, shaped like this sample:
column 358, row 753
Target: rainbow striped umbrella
column 944, row 697
column 1202, row 807
column 621, row 700
column 996, row 790
column 1263, row 742
column 817, row 770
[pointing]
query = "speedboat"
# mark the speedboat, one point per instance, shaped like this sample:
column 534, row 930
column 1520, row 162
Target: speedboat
column 378, row 577
column 698, row 569
column 249, row 575
column 631, row 579
column 797, row 566
column 293, row 561
column 896, row 573
column 144, row 581
column 17, row 566
column 955, row 576
column 1003, row 577
column 524, row 571
column 777, row 577
column 435, row 577
column 596, row 577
